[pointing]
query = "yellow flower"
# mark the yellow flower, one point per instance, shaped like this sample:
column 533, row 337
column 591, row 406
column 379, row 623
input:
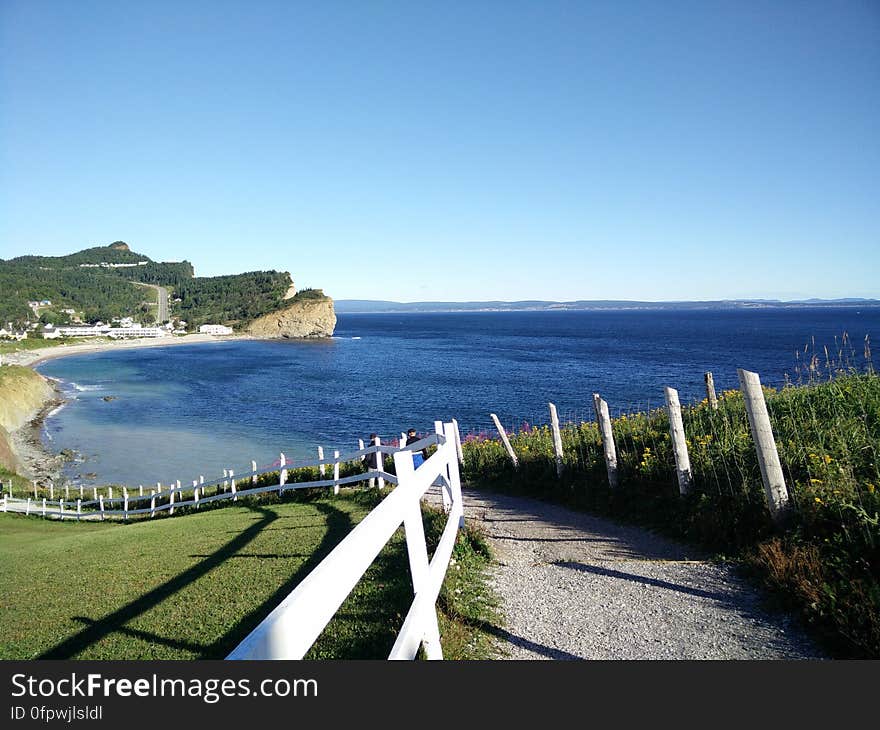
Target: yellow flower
column 818, row 501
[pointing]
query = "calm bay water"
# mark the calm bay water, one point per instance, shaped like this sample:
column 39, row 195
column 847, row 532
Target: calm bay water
column 181, row 411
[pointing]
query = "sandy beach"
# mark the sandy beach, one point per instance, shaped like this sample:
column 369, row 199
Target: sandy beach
column 41, row 465
column 35, row 357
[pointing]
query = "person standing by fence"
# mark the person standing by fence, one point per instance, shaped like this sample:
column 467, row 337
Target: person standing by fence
column 418, row 456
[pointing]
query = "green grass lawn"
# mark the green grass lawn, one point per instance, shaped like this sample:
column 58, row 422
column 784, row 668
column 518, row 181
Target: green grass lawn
column 193, row 586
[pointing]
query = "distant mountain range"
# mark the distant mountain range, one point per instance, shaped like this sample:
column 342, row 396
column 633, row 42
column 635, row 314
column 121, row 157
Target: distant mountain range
column 368, row 305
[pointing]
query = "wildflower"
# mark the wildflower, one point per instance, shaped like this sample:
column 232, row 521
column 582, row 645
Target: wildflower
column 818, row 501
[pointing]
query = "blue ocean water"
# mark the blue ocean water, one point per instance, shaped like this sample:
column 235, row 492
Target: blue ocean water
column 178, row 412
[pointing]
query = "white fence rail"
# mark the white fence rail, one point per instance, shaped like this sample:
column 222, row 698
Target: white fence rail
column 291, row 629
column 170, row 499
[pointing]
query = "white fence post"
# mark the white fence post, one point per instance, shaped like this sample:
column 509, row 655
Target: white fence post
column 51, row 491
column 458, row 449
column 5, row 502
column 35, row 489
column 710, row 391
column 171, row 502
column 504, row 440
column 454, row 476
column 336, row 472
column 225, row 481
column 361, row 448
column 95, row 494
column 125, row 505
column 66, row 493
column 282, row 474
column 253, row 472
column 604, row 420
column 557, row 439
column 380, row 462
column 27, row 509
column 232, row 486
column 152, row 503
column 679, row 445
column 80, row 491
column 417, row 550
column 447, row 497
column 196, row 492
column 765, row 444
column 100, row 503
column 110, row 492
column 140, row 490
column 321, row 456
column 61, row 509
column 44, row 506
column 78, row 508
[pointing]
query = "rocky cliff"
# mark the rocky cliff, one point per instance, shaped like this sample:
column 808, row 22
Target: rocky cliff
column 306, row 317
column 23, row 394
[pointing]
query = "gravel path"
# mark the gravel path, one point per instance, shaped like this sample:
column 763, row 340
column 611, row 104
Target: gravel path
column 574, row 586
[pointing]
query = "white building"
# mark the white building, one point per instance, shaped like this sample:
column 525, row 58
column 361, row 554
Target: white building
column 215, row 329
column 103, row 330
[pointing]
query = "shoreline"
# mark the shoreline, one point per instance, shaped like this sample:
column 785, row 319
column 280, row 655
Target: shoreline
column 38, row 463
column 32, row 358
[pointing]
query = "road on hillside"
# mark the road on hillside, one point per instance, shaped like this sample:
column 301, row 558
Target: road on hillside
column 162, row 298
column 162, row 314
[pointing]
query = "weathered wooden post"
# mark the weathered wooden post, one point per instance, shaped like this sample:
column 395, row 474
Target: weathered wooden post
column 505, row 440
column 557, row 439
column 321, row 458
column 110, row 492
column 95, row 494
column 679, row 445
column 80, row 491
column 336, row 472
column 380, row 461
column 604, row 420
column 765, row 444
column 35, row 489
column 253, row 472
column 66, row 492
column 710, row 391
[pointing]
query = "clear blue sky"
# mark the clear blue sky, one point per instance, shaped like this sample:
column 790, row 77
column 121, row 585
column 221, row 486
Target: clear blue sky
column 454, row 150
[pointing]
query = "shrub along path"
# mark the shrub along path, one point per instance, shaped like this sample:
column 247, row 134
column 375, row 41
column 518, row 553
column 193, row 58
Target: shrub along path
column 575, row 586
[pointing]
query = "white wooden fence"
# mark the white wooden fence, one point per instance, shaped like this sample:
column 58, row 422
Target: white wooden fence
column 291, row 629
column 233, row 487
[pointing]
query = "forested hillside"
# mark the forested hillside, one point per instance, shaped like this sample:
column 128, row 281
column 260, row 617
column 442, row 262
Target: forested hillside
column 100, row 284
